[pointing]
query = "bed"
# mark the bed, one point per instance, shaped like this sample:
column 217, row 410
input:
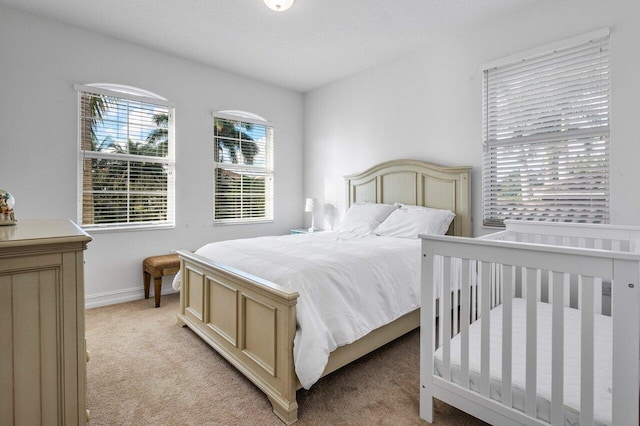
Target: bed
column 547, row 330
column 252, row 321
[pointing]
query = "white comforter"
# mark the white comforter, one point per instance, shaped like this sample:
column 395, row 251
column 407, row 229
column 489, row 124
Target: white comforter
column 349, row 285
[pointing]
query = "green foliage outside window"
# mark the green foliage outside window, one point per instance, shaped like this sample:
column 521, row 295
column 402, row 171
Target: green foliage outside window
column 121, row 182
column 241, row 176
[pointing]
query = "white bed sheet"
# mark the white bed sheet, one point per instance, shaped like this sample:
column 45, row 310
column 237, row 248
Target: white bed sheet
column 349, row 285
column 603, row 361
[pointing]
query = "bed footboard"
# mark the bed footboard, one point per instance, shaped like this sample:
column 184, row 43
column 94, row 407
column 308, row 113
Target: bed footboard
column 249, row 321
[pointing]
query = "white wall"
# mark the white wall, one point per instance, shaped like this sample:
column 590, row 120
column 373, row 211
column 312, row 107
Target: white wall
column 428, row 105
column 425, row 105
column 41, row 60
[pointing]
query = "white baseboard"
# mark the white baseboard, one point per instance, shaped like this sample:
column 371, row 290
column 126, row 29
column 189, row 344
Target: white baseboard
column 121, row 296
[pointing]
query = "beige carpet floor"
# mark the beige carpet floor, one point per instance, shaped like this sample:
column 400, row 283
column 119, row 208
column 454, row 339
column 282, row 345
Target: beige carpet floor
column 145, row 370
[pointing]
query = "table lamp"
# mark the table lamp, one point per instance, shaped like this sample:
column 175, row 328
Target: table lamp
column 310, row 207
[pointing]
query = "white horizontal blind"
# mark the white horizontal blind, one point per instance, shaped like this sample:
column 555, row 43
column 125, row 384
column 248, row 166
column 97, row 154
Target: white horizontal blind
column 546, row 137
column 243, row 170
column 127, row 165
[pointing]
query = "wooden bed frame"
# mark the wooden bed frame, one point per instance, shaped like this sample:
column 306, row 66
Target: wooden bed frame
column 252, row 322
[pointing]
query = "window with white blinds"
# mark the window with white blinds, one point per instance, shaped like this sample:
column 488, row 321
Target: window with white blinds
column 243, row 168
column 546, row 134
column 126, row 165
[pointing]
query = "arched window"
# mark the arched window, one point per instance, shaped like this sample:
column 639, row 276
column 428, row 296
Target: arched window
column 126, row 161
column 243, row 168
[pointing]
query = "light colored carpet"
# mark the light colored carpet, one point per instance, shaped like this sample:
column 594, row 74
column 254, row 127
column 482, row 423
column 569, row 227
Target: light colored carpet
column 145, row 370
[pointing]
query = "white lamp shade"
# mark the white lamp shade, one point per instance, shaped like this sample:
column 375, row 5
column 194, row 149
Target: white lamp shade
column 279, row 5
column 309, row 205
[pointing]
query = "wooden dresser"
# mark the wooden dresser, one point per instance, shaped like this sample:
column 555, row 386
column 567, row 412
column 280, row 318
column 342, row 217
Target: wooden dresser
column 42, row 344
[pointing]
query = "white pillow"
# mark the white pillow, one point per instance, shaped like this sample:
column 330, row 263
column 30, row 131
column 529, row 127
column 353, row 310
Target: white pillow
column 410, row 221
column 363, row 218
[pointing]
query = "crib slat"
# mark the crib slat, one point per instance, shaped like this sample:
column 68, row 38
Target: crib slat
column 427, row 322
column 485, row 335
column 445, row 318
column 496, row 295
column 625, row 318
column 440, row 281
column 574, row 289
column 558, row 283
column 567, row 292
column 580, row 290
column 464, row 323
column 539, row 286
column 532, row 344
column 586, row 352
column 494, row 285
column 456, row 286
column 508, row 274
column 479, row 293
column 597, row 294
column 500, row 285
column 474, row 290
column 455, row 305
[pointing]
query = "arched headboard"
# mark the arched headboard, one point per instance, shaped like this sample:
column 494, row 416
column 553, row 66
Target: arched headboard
column 417, row 183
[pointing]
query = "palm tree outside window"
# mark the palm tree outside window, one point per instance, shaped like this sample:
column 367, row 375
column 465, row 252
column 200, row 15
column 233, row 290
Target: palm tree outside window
column 126, row 176
column 243, row 168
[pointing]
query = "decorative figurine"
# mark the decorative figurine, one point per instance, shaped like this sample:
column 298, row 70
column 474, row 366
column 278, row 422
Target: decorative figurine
column 7, row 216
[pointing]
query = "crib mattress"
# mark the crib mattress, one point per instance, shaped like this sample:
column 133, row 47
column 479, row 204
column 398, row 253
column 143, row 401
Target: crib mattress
column 603, row 361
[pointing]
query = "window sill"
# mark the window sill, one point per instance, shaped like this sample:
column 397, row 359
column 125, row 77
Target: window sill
column 245, row 222
column 108, row 229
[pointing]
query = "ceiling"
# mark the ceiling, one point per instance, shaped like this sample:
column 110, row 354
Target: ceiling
column 310, row 45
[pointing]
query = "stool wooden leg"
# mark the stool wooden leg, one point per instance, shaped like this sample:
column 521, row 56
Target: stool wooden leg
column 157, row 288
column 147, row 283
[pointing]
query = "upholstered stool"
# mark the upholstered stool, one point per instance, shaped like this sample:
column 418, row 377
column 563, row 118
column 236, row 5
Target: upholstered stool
column 157, row 267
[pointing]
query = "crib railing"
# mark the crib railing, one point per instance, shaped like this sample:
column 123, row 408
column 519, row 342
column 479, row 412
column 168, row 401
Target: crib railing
column 583, row 235
column 484, row 273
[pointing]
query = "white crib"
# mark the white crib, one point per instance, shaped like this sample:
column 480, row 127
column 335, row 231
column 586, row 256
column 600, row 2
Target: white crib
column 539, row 324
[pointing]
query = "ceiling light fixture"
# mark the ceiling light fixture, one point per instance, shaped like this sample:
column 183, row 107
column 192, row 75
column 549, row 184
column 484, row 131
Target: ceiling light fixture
column 279, row 5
